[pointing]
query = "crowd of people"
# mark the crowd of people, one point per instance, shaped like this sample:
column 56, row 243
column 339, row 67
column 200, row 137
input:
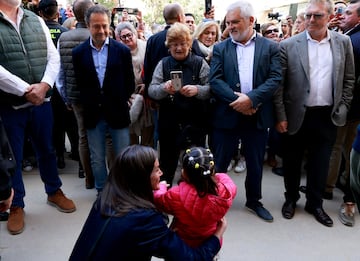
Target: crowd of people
column 288, row 93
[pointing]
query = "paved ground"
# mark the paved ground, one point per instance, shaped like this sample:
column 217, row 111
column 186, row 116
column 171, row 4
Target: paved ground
column 50, row 235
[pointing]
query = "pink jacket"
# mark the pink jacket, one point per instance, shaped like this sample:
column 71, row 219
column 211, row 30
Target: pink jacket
column 195, row 218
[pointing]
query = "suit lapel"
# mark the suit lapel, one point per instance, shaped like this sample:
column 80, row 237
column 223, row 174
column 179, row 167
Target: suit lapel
column 90, row 61
column 233, row 58
column 257, row 55
column 336, row 54
column 302, row 49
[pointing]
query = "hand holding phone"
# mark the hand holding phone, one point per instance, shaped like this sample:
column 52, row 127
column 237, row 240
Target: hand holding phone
column 207, row 6
column 176, row 79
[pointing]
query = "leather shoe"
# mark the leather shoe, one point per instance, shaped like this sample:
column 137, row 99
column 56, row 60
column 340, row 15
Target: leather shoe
column 16, row 222
column 89, row 182
column 302, row 189
column 261, row 212
column 320, row 216
column 81, row 171
column 288, row 209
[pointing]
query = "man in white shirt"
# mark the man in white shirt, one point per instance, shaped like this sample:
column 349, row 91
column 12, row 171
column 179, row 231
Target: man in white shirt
column 314, row 98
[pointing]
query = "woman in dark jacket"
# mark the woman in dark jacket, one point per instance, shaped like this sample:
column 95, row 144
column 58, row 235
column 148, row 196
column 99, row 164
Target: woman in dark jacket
column 124, row 223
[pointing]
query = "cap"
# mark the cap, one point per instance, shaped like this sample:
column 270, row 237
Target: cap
column 47, row 3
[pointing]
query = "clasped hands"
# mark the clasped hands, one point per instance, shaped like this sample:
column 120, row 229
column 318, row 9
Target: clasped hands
column 243, row 104
column 36, row 93
column 187, row 90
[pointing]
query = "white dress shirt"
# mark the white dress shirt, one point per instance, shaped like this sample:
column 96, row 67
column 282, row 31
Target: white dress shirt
column 245, row 58
column 321, row 67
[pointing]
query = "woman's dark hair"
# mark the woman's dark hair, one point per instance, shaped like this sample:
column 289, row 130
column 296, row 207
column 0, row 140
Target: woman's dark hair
column 128, row 186
column 198, row 165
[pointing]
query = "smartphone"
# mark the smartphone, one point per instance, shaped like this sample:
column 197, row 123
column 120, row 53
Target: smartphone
column 339, row 12
column 207, row 6
column 130, row 11
column 176, row 79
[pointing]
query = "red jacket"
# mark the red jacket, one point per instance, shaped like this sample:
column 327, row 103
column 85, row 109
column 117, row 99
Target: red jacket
column 195, row 218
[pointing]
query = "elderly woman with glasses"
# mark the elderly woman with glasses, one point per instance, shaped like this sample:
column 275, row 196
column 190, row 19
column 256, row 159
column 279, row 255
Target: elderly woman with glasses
column 182, row 112
column 141, row 119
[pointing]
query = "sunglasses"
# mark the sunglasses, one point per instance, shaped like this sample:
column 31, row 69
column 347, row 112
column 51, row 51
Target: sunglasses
column 123, row 37
column 316, row 16
column 272, row 31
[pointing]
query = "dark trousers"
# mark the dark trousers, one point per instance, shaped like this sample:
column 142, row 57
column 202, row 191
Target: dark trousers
column 64, row 122
column 40, row 119
column 225, row 142
column 315, row 137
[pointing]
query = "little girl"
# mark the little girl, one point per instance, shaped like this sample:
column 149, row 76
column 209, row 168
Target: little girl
column 200, row 200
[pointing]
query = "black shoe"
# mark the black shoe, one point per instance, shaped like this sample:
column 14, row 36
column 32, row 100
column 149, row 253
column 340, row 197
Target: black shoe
column 81, row 173
column 4, row 216
column 89, row 183
column 288, row 209
column 61, row 162
column 278, row 171
column 302, row 189
column 320, row 216
column 261, row 212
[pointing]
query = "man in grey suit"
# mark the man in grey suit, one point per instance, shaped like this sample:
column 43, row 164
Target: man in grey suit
column 314, row 98
column 245, row 71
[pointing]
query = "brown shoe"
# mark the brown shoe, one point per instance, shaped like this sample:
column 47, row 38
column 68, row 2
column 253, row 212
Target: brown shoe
column 16, row 224
column 61, row 202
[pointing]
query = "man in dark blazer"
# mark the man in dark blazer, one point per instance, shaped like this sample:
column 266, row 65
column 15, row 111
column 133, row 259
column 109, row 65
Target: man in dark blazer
column 104, row 74
column 245, row 71
column 314, row 98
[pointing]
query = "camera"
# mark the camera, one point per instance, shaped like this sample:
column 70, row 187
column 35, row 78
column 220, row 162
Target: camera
column 130, row 11
column 274, row 16
column 117, row 13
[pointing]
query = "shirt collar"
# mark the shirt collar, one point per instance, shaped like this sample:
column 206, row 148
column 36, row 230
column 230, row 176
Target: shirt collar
column 105, row 43
column 326, row 39
column 252, row 38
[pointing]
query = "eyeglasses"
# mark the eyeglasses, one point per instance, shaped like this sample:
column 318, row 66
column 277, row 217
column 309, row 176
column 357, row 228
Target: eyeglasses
column 123, row 37
column 316, row 16
column 271, row 31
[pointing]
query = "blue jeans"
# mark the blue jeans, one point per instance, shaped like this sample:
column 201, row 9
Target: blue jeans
column 97, row 145
column 40, row 120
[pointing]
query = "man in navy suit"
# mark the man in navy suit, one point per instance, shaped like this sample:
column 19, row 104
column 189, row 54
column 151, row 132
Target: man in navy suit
column 245, row 71
column 104, row 73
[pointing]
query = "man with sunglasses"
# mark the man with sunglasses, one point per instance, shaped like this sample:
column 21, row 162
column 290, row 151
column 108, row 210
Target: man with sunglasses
column 313, row 99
